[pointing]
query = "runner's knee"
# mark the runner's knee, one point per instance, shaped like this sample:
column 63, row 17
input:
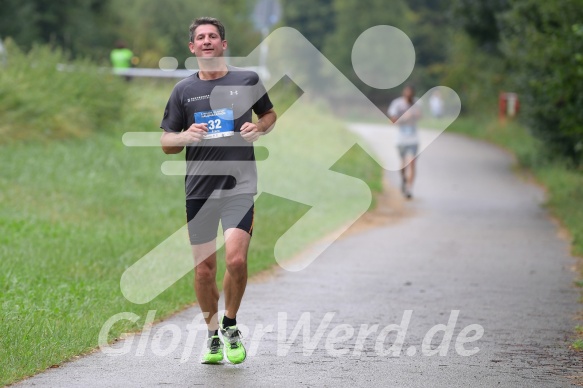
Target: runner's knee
column 236, row 263
column 206, row 271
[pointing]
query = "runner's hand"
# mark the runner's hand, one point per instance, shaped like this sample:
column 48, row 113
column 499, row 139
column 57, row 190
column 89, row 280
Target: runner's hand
column 193, row 134
column 250, row 132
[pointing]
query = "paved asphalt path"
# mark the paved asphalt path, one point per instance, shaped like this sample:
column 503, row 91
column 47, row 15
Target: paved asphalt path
column 478, row 244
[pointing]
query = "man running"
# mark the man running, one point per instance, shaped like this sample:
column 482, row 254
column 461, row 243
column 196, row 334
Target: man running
column 210, row 113
column 403, row 109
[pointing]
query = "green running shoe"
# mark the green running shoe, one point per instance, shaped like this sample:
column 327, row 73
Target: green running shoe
column 214, row 351
column 235, row 350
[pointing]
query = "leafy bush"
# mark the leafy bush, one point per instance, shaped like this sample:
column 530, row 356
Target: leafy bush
column 39, row 101
column 543, row 42
column 476, row 75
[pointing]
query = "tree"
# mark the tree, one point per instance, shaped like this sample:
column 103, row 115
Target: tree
column 543, row 43
column 352, row 18
column 430, row 34
column 315, row 20
column 152, row 29
column 81, row 27
column 479, row 19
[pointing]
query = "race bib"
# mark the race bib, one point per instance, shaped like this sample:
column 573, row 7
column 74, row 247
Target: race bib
column 219, row 122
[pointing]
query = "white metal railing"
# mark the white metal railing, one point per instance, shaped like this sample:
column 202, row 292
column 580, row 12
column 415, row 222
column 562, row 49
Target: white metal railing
column 159, row 73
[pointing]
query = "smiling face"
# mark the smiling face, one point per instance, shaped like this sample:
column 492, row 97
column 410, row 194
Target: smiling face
column 207, row 42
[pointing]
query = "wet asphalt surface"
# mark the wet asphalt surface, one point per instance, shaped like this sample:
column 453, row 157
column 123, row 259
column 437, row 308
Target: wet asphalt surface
column 479, row 256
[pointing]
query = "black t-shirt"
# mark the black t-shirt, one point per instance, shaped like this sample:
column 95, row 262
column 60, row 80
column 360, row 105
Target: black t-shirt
column 238, row 92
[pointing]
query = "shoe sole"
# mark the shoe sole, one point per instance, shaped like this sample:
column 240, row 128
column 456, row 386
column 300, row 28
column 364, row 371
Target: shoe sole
column 211, row 362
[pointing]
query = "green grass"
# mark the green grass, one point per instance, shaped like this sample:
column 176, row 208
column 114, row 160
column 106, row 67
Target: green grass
column 78, row 209
column 565, row 187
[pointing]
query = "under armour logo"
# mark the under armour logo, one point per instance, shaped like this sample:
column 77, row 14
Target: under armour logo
column 235, row 92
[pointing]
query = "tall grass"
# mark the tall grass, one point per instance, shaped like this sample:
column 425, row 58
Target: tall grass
column 37, row 101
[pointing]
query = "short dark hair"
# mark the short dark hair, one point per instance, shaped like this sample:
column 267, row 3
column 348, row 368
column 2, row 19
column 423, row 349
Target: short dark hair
column 410, row 86
column 207, row 20
column 120, row 44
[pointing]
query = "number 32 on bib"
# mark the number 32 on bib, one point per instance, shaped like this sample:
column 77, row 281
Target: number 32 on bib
column 219, row 122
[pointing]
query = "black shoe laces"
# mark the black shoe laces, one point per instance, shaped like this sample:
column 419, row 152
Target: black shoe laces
column 215, row 345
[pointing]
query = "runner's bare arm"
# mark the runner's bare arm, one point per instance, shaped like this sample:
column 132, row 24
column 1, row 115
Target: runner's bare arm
column 411, row 114
column 174, row 143
column 251, row 131
column 416, row 112
column 267, row 121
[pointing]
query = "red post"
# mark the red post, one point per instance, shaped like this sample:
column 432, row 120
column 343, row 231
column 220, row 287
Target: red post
column 502, row 107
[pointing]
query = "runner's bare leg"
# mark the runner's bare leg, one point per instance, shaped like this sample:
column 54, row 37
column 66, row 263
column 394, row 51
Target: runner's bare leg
column 411, row 173
column 235, row 281
column 205, row 282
